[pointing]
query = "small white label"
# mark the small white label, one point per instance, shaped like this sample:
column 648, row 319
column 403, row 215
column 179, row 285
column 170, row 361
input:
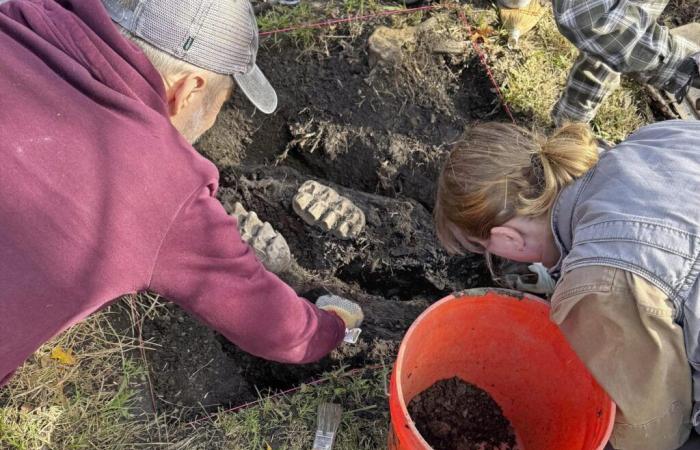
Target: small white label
column 352, row 335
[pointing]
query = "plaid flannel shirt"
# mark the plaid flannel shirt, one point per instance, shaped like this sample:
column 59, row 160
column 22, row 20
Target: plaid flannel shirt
column 617, row 36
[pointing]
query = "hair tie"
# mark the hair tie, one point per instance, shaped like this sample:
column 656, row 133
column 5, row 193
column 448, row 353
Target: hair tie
column 537, row 168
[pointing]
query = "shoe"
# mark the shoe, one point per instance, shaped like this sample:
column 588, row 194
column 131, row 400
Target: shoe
column 685, row 104
column 513, row 4
column 263, row 6
column 694, row 82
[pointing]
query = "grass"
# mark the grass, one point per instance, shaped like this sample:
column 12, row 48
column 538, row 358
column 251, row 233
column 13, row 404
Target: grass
column 94, row 403
column 289, row 422
column 531, row 77
column 361, row 7
column 50, row 404
column 281, row 17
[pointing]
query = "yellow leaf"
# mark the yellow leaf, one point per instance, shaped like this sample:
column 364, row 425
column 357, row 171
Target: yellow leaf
column 481, row 34
column 268, row 446
column 65, row 357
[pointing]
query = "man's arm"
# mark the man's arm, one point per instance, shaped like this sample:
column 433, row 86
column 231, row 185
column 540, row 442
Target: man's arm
column 622, row 327
column 204, row 267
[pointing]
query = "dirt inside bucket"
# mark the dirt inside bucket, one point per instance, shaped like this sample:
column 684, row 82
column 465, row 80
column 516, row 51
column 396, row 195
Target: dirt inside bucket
column 455, row 415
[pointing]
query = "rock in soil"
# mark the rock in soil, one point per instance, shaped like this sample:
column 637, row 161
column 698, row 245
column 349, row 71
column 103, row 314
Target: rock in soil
column 392, row 46
column 455, row 415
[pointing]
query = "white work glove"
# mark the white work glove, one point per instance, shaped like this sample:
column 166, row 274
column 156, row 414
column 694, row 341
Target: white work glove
column 349, row 312
column 545, row 283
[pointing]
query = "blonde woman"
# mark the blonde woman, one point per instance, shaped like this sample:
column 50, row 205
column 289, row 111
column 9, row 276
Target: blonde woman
column 621, row 230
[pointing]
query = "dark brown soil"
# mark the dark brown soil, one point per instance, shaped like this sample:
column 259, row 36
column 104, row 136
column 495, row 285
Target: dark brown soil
column 681, row 12
column 456, row 415
column 376, row 135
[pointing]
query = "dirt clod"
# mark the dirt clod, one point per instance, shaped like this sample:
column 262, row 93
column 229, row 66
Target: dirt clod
column 455, row 415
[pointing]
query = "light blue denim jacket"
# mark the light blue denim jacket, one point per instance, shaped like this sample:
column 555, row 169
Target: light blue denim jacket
column 638, row 209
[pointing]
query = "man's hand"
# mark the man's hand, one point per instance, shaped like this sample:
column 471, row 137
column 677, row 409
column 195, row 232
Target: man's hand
column 349, row 312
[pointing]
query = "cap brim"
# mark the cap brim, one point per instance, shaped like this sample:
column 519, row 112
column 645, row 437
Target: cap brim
column 258, row 90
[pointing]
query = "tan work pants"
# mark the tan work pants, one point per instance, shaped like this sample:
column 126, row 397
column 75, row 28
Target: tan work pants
column 622, row 327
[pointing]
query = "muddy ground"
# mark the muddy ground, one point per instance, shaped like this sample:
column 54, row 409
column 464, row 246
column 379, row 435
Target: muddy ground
column 375, row 133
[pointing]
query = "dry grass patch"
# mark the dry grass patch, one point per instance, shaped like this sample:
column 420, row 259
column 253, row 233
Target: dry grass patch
column 535, row 74
column 98, row 402
column 289, row 422
column 63, row 405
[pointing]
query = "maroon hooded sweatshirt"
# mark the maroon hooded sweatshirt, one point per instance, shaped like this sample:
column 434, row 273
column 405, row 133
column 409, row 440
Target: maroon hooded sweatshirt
column 100, row 196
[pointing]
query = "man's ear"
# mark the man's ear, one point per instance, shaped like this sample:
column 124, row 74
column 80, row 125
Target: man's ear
column 506, row 240
column 182, row 91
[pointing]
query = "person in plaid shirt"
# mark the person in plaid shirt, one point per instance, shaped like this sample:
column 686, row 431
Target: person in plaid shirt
column 614, row 37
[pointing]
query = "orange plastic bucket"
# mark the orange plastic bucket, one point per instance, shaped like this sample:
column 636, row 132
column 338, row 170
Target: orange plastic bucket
column 504, row 343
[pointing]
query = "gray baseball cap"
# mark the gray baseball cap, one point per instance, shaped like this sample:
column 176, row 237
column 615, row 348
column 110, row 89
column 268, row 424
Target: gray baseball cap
column 217, row 35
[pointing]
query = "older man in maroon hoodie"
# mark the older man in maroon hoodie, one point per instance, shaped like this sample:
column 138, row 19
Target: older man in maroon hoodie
column 101, row 192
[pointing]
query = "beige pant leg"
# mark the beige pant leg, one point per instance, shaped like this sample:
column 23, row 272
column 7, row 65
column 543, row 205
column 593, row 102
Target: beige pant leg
column 622, row 327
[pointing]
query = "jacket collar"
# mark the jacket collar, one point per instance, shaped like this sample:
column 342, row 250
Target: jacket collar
column 562, row 220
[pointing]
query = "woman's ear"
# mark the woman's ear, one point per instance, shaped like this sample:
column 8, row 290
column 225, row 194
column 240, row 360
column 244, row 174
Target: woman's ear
column 506, row 242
